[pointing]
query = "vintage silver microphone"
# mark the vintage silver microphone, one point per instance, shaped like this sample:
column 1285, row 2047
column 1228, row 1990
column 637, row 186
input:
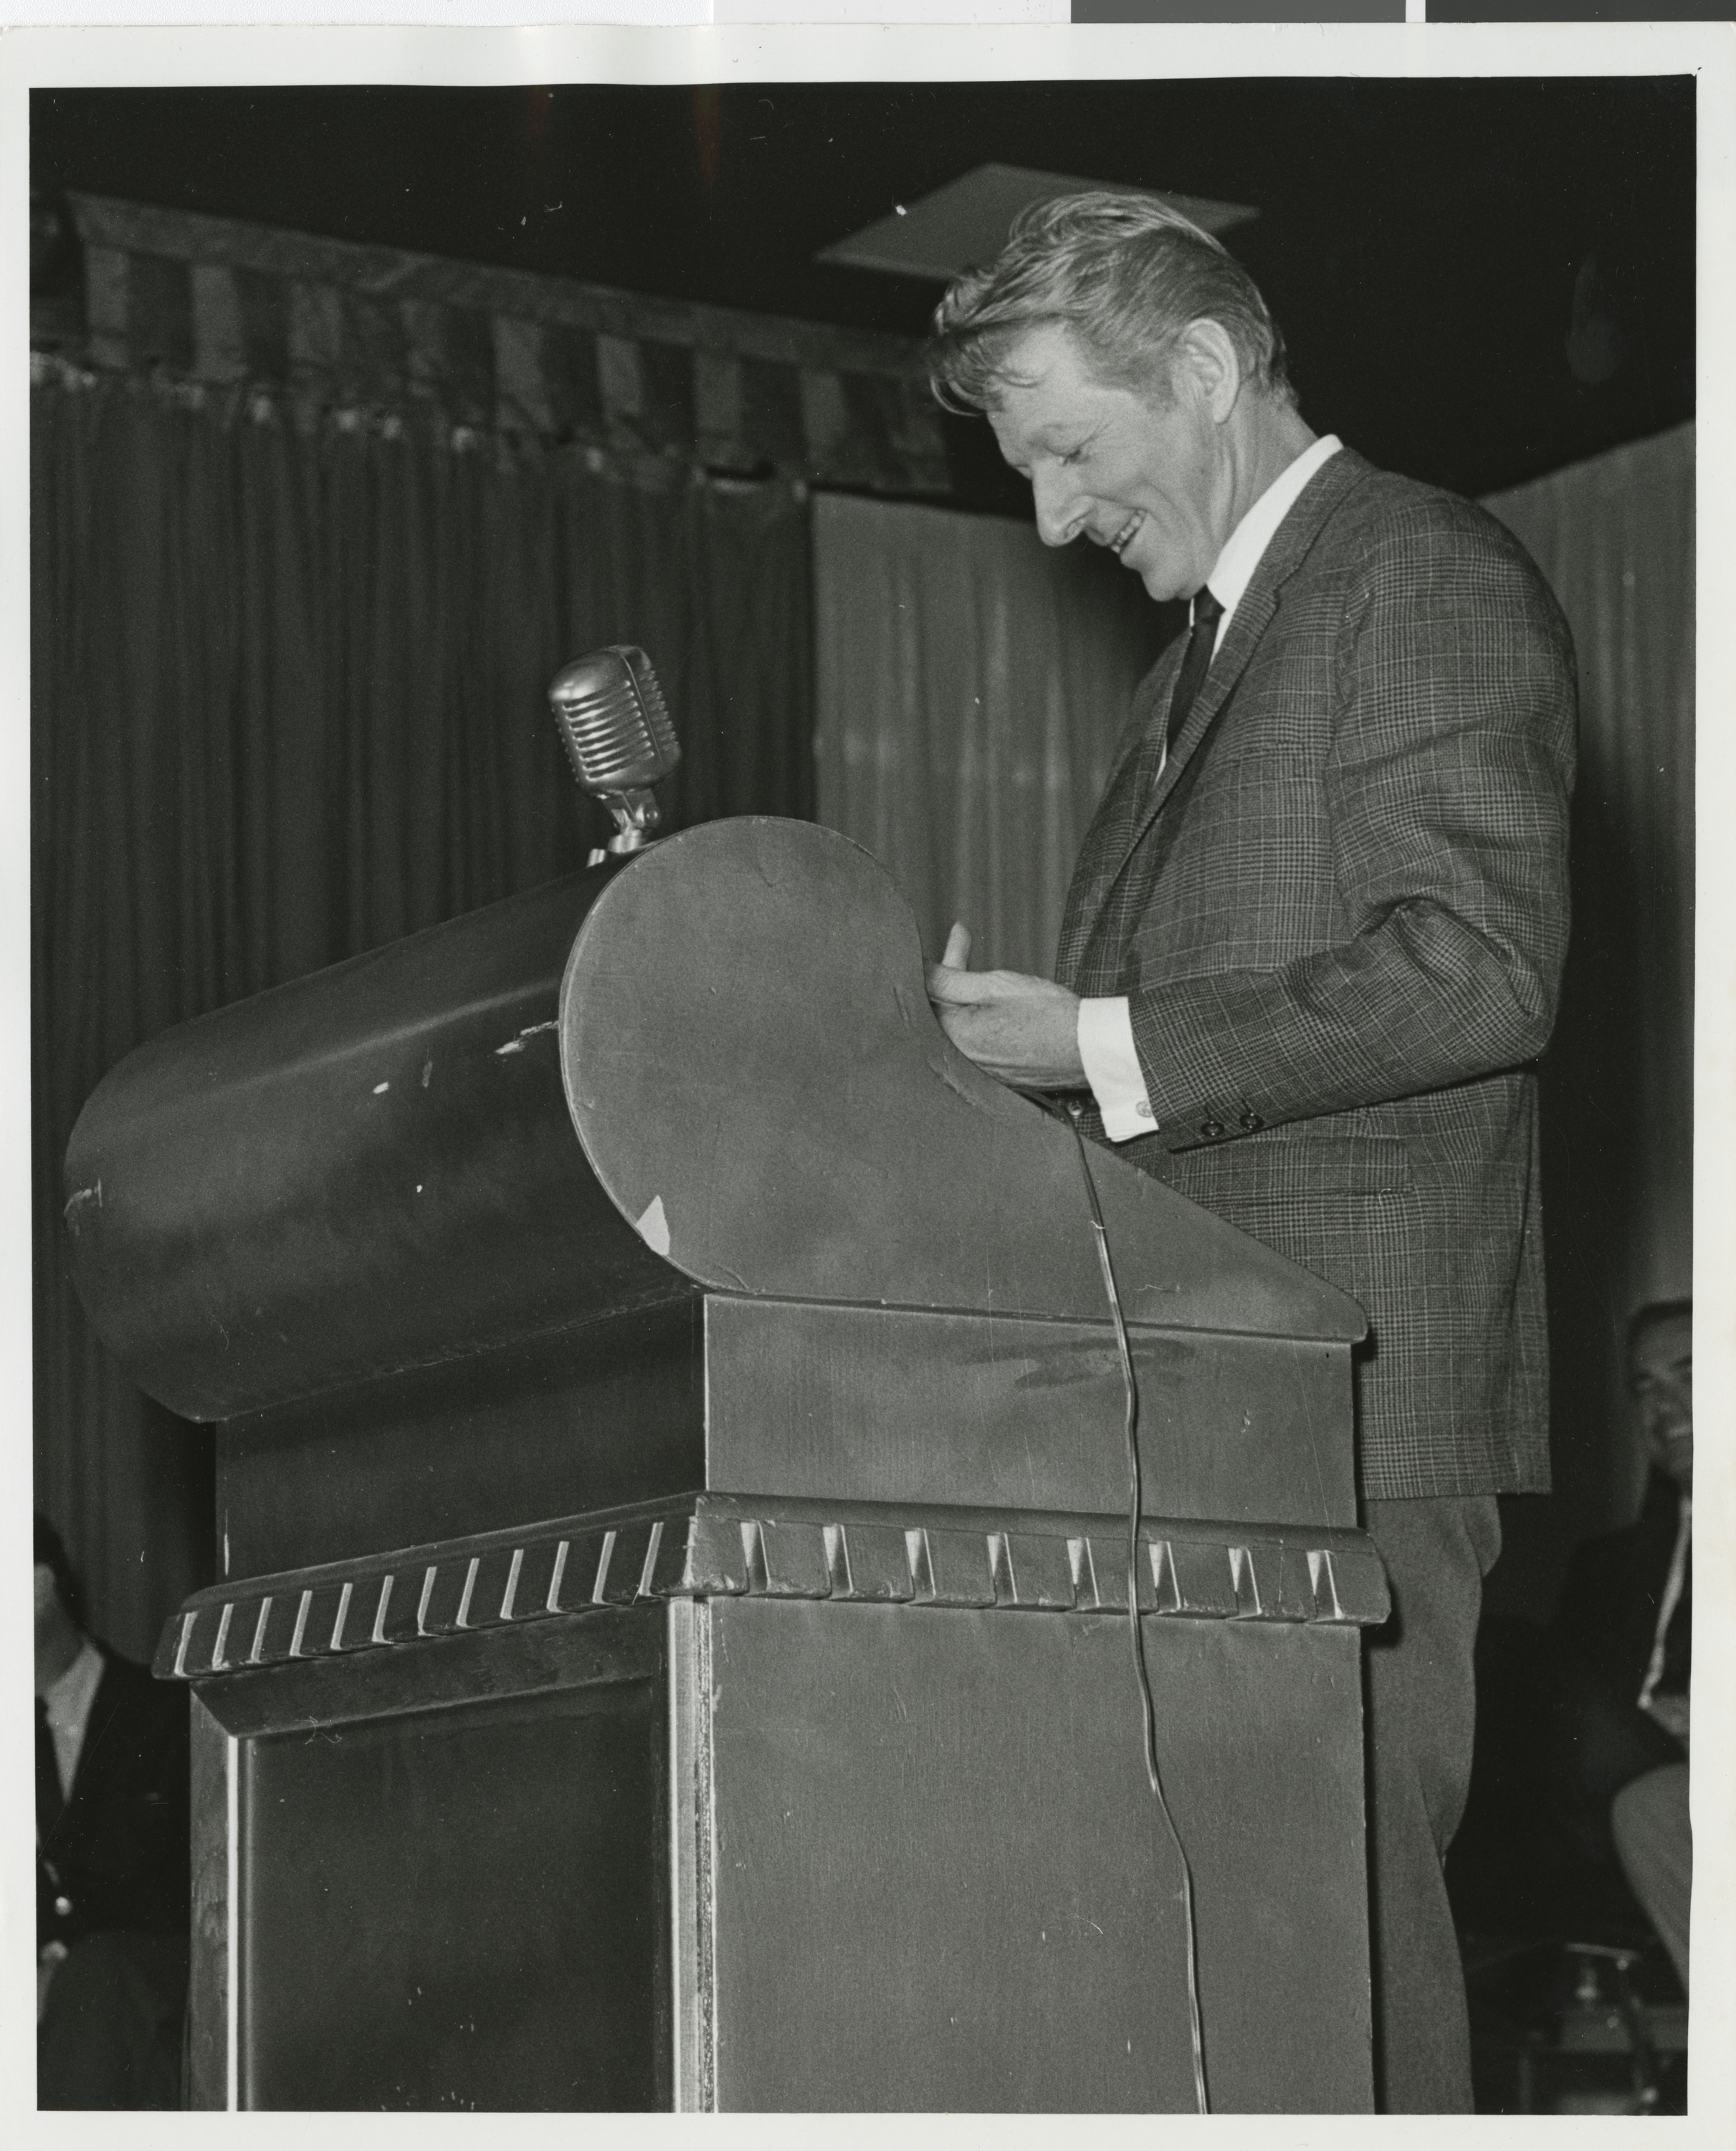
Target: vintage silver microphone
column 614, row 725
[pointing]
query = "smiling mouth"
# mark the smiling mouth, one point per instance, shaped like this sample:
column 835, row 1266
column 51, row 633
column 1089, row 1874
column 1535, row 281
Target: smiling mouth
column 1124, row 537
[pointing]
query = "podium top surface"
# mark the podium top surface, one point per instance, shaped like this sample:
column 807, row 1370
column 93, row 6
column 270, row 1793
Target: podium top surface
column 715, row 1070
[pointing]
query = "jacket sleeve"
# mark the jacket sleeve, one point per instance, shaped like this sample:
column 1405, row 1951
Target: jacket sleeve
column 1446, row 784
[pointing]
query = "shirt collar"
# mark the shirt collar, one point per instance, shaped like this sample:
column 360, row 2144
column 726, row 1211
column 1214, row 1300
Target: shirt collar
column 1247, row 542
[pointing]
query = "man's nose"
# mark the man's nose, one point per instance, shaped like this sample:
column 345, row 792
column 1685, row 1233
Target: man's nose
column 1061, row 507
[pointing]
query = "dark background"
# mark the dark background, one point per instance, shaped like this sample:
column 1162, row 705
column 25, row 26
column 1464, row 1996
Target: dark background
column 1479, row 280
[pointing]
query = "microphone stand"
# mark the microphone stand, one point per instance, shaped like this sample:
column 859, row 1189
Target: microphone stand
column 636, row 816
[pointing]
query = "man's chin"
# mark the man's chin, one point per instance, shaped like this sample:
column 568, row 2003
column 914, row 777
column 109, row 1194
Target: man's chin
column 1162, row 586
column 1166, row 579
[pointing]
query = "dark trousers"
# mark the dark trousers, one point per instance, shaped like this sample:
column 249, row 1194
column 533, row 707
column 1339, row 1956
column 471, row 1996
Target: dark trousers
column 1421, row 1704
column 110, row 2034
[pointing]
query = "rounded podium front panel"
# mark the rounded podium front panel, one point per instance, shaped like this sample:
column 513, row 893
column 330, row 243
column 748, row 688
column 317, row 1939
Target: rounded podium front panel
column 760, row 1086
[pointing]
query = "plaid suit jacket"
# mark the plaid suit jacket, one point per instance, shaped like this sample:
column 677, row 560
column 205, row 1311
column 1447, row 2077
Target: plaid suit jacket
column 1341, row 937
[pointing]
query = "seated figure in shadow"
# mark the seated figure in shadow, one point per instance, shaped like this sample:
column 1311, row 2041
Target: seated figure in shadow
column 111, row 1860
column 1578, row 1815
column 1624, row 1635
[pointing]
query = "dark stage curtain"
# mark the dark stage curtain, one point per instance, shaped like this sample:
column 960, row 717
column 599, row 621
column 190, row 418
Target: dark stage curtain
column 288, row 703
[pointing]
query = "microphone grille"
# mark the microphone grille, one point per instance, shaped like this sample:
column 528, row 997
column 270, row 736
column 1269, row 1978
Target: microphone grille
column 612, row 721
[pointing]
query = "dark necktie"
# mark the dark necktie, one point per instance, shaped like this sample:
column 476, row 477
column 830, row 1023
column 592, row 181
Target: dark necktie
column 49, row 1798
column 1195, row 663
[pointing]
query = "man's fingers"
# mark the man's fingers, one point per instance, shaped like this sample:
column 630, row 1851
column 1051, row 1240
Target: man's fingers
column 958, row 948
column 947, row 982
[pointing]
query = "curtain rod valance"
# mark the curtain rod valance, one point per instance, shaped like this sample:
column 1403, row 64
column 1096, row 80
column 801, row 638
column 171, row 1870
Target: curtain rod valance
column 221, row 302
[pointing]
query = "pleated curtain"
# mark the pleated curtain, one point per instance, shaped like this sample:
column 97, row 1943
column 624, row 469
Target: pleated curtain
column 970, row 686
column 288, row 675
column 1614, row 535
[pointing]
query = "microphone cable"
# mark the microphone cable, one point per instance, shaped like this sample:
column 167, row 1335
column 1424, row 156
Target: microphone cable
column 1135, row 1503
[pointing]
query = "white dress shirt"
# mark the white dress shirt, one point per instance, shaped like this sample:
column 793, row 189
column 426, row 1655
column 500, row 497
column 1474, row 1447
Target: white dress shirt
column 1671, row 1711
column 67, row 1707
column 1105, row 1027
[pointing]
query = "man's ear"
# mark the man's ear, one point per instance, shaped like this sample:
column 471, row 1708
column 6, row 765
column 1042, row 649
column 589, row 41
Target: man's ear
column 1206, row 353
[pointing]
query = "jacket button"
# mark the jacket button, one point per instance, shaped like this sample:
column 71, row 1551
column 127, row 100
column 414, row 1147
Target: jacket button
column 1211, row 1130
column 1249, row 1122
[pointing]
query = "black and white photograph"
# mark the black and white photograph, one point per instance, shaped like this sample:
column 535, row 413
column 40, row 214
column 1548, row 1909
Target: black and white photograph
column 861, row 937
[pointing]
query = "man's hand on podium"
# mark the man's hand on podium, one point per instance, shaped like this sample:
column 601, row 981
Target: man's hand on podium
column 1022, row 1029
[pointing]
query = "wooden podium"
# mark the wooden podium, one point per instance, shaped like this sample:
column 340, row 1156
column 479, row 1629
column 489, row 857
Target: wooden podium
column 672, row 1648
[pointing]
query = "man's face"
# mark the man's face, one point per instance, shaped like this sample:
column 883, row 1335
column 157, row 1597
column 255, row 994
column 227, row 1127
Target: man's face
column 47, row 1599
column 1663, row 1383
column 1150, row 482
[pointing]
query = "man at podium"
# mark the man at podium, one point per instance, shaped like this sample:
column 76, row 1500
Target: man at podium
column 1313, row 941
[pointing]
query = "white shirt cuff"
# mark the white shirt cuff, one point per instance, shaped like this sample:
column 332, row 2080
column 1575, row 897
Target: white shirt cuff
column 1112, row 1068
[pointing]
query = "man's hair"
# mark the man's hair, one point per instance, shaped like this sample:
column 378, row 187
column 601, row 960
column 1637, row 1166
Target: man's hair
column 50, row 1553
column 1126, row 275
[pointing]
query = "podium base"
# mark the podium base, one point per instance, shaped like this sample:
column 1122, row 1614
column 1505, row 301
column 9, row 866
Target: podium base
column 777, row 1848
